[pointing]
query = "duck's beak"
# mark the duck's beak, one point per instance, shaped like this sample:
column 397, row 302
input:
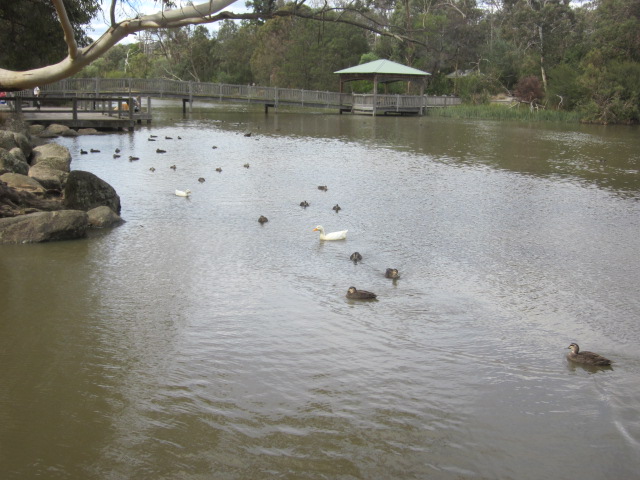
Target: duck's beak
column 314, row 230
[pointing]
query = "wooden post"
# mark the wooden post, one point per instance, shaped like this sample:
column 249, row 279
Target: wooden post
column 75, row 109
column 375, row 95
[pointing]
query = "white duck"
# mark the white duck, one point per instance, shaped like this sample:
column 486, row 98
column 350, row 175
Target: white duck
column 330, row 236
column 185, row 193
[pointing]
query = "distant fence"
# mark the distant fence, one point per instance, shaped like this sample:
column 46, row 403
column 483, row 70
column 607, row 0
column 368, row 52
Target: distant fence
column 270, row 96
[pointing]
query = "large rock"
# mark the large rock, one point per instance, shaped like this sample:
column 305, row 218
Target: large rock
column 53, row 155
column 7, row 140
column 54, row 130
column 10, row 163
column 10, row 140
column 85, row 191
column 49, row 178
column 36, row 129
column 88, row 131
column 19, row 154
column 70, row 133
column 22, row 183
column 101, row 217
column 44, row 227
column 23, row 143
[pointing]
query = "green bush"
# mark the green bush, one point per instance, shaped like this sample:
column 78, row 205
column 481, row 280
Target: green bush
column 475, row 89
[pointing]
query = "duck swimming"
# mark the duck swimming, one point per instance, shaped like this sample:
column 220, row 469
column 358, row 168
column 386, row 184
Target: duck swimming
column 304, row 204
column 133, row 159
column 586, row 358
column 263, row 219
column 337, row 208
column 324, row 188
column 355, row 294
column 201, row 179
column 341, row 235
column 172, row 167
column 246, row 165
column 392, row 273
column 218, row 169
column 184, row 193
column 159, row 150
column 355, row 257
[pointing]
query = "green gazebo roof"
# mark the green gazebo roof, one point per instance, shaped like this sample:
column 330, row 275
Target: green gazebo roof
column 384, row 72
column 384, row 68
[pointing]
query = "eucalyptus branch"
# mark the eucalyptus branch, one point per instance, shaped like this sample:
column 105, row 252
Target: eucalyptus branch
column 69, row 37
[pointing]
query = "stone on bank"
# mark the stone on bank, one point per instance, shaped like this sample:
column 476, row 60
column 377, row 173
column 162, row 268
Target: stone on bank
column 42, row 200
column 44, row 227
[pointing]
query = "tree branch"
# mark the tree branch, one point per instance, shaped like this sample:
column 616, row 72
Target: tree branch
column 69, row 38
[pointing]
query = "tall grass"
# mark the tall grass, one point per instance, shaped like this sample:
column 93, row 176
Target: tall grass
column 504, row 112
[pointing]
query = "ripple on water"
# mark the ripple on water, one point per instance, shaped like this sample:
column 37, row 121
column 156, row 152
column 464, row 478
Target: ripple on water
column 219, row 344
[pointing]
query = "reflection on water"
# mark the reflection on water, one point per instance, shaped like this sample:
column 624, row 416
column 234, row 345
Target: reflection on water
column 193, row 342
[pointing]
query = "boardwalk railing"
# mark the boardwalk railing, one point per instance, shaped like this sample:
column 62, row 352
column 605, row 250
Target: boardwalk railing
column 269, row 96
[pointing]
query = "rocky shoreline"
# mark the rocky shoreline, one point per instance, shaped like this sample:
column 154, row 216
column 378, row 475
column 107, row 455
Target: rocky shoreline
column 41, row 198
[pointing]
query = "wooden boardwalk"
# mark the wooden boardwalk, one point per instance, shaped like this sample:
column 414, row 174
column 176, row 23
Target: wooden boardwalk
column 102, row 113
column 100, row 103
column 270, row 97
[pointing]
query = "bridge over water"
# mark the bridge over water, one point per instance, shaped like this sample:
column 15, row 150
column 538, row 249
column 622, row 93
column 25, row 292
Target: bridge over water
column 270, row 97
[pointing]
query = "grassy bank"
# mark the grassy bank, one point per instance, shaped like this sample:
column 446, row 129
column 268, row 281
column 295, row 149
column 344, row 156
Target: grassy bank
column 504, row 112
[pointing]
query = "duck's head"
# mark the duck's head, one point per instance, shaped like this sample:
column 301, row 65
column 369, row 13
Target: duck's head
column 187, row 191
column 574, row 347
column 352, row 290
column 319, row 228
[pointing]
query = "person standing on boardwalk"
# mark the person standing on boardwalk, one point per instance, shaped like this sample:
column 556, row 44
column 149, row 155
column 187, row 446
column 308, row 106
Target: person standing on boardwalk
column 36, row 93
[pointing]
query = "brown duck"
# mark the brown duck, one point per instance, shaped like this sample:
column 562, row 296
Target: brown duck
column 586, row 358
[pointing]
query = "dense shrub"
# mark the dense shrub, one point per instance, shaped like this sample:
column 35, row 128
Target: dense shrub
column 529, row 89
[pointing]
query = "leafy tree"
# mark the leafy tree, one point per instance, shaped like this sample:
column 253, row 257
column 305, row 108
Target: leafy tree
column 611, row 69
column 233, row 51
column 29, row 31
column 299, row 53
column 541, row 31
column 565, row 90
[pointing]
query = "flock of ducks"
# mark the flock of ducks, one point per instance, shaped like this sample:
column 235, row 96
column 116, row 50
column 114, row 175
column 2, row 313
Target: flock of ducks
column 352, row 293
column 576, row 356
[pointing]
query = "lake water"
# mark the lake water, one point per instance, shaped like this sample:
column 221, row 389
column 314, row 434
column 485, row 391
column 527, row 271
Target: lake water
column 193, row 342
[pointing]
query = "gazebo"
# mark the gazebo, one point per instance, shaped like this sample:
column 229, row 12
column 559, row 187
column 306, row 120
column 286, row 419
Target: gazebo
column 384, row 72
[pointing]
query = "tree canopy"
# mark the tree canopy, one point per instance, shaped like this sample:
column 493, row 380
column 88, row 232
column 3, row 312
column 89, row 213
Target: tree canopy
column 552, row 53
